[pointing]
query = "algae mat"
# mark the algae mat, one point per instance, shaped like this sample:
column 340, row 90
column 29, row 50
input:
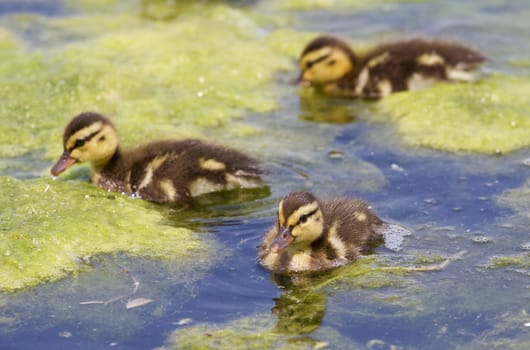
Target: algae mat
column 490, row 116
column 52, row 228
column 155, row 79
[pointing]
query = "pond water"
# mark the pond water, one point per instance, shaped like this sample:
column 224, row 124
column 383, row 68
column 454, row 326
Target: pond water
column 473, row 204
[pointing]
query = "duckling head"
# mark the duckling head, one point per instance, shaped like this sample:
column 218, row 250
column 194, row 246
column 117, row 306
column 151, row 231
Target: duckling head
column 300, row 221
column 325, row 60
column 89, row 137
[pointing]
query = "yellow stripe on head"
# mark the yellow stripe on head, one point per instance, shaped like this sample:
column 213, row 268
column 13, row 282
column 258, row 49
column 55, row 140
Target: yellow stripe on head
column 294, row 218
column 82, row 134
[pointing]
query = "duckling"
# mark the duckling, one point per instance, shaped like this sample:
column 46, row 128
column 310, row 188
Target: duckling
column 313, row 235
column 161, row 171
column 330, row 64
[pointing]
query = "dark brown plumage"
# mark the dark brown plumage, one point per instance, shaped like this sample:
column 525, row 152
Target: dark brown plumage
column 329, row 63
column 315, row 235
column 161, row 171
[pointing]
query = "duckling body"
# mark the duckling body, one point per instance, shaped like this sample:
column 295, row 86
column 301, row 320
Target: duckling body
column 162, row 171
column 330, row 64
column 315, row 235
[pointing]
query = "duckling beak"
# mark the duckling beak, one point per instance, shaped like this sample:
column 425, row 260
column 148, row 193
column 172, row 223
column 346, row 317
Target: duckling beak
column 63, row 163
column 301, row 82
column 282, row 240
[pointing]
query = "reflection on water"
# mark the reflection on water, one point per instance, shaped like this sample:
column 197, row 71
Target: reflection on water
column 322, row 109
column 299, row 311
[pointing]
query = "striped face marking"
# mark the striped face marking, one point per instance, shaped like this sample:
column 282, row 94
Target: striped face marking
column 325, row 65
column 94, row 143
column 79, row 138
column 305, row 224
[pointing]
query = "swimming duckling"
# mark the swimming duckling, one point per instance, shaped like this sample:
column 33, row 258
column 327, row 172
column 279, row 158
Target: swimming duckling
column 330, row 64
column 315, row 235
column 161, row 171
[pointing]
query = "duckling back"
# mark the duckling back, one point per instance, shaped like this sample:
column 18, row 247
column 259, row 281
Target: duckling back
column 173, row 170
column 351, row 230
column 413, row 65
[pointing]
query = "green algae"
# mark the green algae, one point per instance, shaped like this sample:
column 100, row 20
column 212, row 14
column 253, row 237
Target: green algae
column 289, row 42
column 518, row 199
column 490, row 116
column 256, row 332
column 297, row 5
column 521, row 260
column 49, row 227
column 509, row 332
column 154, row 79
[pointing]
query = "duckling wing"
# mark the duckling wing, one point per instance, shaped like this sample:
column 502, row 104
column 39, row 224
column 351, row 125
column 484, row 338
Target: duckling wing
column 354, row 223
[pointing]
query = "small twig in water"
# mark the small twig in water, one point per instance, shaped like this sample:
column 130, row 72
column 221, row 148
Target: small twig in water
column 435, row 267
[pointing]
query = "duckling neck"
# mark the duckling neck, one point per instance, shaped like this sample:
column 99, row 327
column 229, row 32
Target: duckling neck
column 111, row 175
column 109, row 163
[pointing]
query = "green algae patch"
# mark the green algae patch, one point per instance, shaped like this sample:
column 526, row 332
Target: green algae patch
column 518, row 199
column 256, row 332
column 522, row 261
column 154, row 79
column 297, row 5
column 289, row 42
column 490, row 116
column 49, row 227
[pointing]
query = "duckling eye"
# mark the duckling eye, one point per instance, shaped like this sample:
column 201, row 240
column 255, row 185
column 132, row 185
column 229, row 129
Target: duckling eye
column 309, row 65
column 79, row 143
column 332, row 62
column 303, row 219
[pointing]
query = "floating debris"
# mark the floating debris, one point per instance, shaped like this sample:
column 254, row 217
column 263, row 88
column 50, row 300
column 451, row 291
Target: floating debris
column 397, row 168
column 525, row 246
column 183, row 322
column 482, row 239
column 65, row 334
column 131, row 304
column 335, row 154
